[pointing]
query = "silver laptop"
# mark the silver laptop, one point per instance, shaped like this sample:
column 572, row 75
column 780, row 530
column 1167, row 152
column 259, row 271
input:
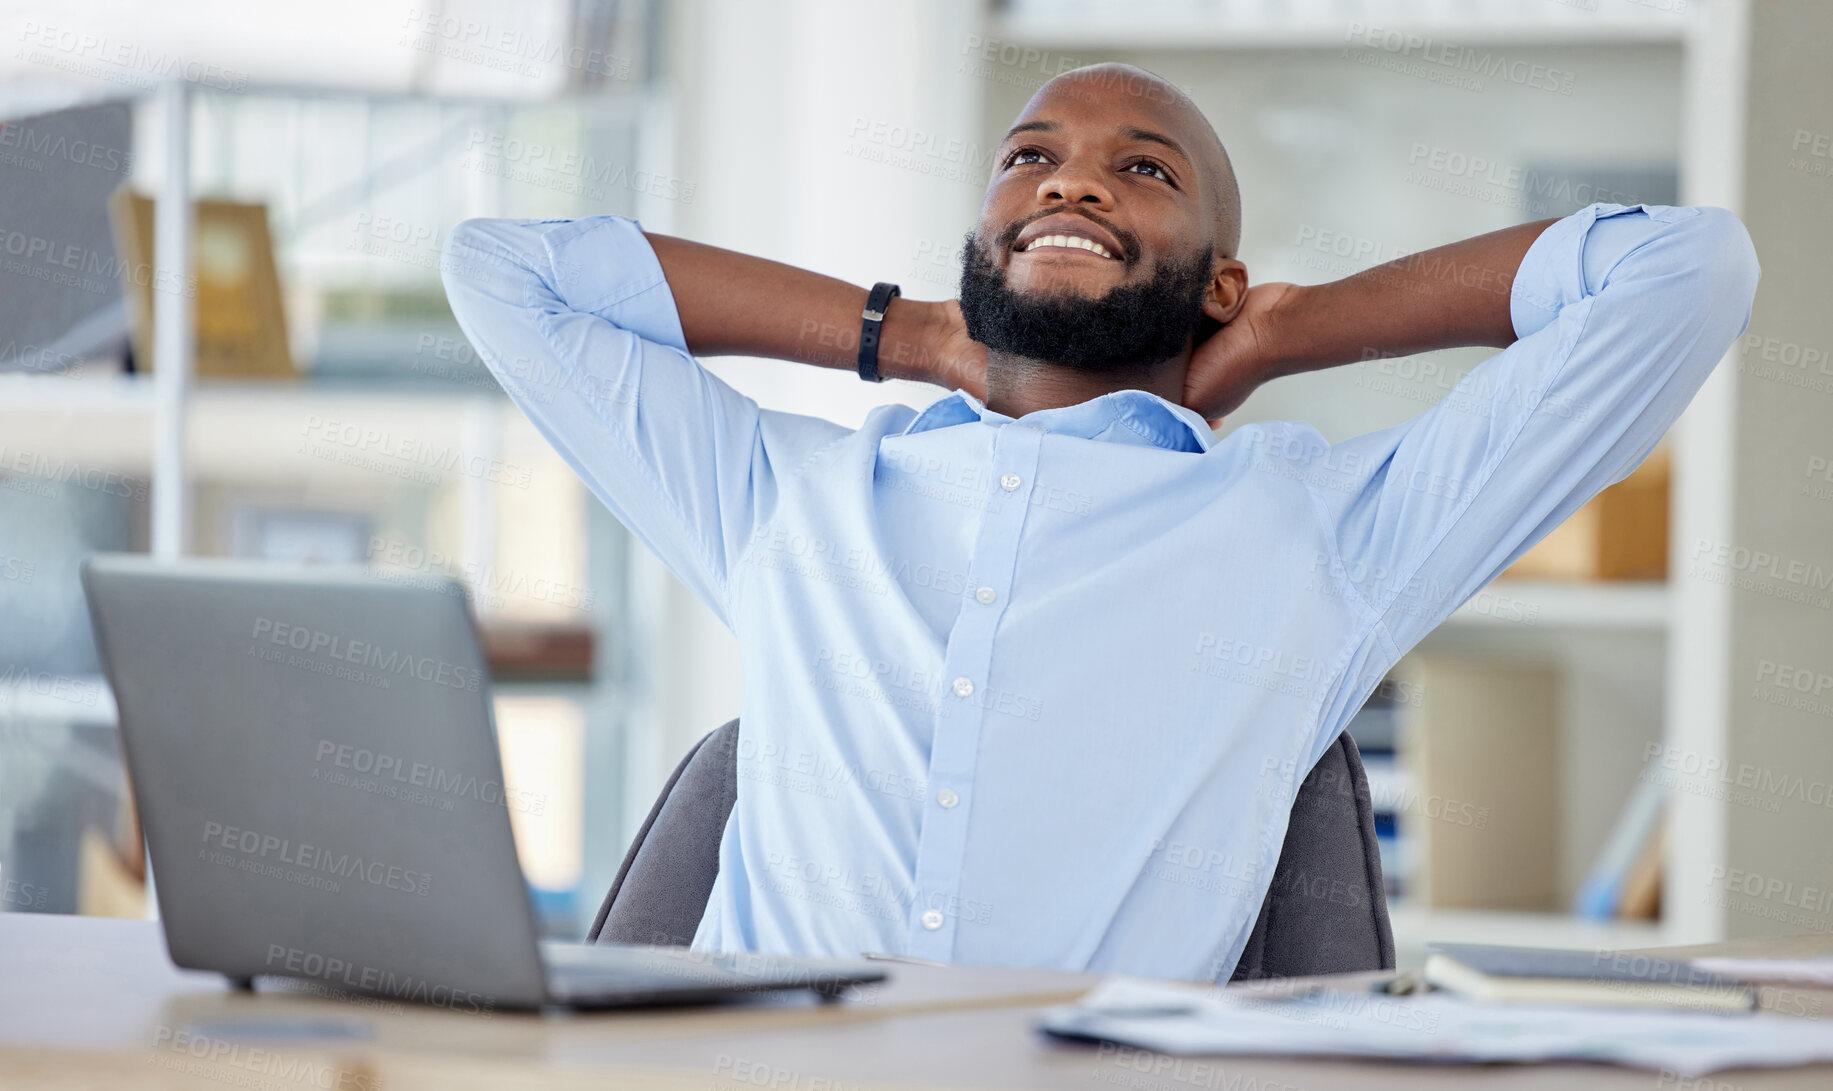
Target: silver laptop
column 315, row 766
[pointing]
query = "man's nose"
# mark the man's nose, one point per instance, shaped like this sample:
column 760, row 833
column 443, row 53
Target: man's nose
column 1075, row 184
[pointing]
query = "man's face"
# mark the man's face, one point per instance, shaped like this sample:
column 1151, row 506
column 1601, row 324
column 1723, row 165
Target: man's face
column 1095, row 246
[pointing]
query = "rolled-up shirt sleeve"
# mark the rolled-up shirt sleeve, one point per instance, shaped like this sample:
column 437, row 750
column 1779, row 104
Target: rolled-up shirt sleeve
column 1621, row 313
column 577, row 323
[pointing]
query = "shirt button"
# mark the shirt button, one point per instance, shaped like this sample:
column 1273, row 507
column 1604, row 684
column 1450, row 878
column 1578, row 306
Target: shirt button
column 985, row 595
column 947, row 798
column 932, row 919
column 1009, row 482
column 964, row 687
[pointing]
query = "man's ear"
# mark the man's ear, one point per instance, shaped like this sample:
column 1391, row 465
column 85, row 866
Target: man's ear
column 1227, row 292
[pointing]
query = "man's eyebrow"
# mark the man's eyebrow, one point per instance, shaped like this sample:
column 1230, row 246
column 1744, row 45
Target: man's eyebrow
column 1030, row 127
column 1156, row 138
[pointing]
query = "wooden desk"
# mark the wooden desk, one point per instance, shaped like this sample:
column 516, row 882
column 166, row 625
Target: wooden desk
column 89, row 1003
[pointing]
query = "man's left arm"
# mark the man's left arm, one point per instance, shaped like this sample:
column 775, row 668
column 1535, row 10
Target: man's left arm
column 1610, row 320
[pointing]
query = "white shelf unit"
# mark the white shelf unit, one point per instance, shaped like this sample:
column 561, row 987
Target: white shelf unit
column 1251, row 26
column 237, row 429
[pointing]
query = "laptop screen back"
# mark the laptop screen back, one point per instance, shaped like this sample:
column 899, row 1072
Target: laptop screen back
column 315, row 766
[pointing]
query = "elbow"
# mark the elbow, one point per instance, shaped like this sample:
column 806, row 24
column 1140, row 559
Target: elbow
column 485, row 285
column 1729, row 262
column 461, row 258
column 483, row 269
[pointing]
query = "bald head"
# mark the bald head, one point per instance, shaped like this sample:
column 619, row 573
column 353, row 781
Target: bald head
column 1181, row 119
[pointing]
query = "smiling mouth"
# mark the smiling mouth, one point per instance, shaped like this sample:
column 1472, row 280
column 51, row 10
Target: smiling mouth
column 1072, row 242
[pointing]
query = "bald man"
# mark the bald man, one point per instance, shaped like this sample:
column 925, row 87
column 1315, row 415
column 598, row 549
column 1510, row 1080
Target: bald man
column 1031, row 677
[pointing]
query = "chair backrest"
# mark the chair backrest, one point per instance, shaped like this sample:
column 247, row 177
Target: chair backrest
column 1325, row 911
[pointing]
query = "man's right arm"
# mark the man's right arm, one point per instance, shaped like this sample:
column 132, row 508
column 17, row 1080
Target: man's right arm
column 733, row 304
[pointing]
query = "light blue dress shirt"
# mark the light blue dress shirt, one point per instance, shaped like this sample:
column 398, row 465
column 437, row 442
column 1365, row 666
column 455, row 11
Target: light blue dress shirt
column 1040, row 692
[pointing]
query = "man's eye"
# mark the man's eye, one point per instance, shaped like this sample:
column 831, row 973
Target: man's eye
column 1151, row 168
column 1019, row 156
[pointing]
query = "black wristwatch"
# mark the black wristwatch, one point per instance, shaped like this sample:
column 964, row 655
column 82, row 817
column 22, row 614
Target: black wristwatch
column 874, row 319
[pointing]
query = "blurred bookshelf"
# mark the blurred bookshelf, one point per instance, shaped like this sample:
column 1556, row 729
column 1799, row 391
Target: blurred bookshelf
column 463, row 488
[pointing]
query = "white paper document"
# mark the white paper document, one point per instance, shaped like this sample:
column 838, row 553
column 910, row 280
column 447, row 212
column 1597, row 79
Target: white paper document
column 1172, row 1018
column 1794, row 971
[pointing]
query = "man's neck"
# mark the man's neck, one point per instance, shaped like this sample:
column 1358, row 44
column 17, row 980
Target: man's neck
column 1017, row 385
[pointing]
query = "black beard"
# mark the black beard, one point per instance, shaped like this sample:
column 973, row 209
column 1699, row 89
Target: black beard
column 1132, row 327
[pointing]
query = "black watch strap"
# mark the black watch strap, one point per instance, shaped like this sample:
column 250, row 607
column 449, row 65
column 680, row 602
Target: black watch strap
column 874, row 319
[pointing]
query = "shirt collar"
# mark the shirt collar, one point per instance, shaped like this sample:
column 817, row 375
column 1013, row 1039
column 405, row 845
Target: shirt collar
column 1123, row 416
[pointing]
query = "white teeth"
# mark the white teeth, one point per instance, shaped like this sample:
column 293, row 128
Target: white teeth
column 1069, row 240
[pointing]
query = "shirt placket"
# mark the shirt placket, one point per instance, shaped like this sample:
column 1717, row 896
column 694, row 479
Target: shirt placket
column 955, row 750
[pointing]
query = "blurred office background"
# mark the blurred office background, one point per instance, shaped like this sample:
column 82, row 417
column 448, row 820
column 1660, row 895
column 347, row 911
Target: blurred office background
column 1600, row 749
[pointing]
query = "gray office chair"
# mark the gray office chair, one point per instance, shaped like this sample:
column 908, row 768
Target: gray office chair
column 1325, row 912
